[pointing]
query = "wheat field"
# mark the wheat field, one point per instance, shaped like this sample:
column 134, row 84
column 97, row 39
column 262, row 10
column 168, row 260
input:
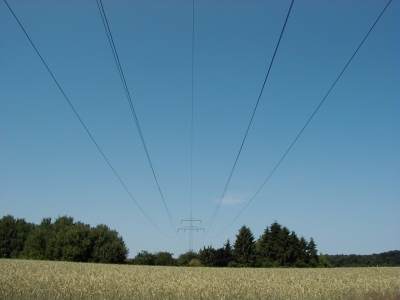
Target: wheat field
column 24, row 279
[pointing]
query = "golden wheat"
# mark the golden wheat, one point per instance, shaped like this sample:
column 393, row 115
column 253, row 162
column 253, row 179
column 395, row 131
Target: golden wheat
column 23, row 279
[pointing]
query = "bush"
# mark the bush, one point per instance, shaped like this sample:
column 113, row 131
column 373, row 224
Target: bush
column 195, row 262
column 164, row 259
column 185, row 258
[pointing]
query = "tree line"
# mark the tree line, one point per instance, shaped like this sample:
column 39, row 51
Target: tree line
column 276, row 247
column 67, row 240
column 63, row 240
column 385, row 259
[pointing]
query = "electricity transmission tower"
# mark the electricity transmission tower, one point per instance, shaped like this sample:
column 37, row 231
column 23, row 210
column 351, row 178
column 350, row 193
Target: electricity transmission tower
column 191, row 228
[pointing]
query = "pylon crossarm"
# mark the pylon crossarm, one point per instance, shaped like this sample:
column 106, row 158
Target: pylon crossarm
column 191, row 220
column 190, row 228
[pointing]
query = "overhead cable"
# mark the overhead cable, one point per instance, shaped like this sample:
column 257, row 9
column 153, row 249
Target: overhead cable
column 251, row 120
column 82, row 123
column 128, row 96
column 308, row 121
column 192, row 113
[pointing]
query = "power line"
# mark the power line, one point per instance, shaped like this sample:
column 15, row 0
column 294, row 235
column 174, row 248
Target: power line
column 191, row 220
column 83, row 124
column 251, row 120
column 304, row 127
column 128, row 96
column 191, row 129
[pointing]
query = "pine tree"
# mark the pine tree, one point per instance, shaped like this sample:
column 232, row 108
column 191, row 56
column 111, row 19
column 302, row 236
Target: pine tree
column 278, row 247
column 207, row 256
column 276, row 243
column 244, row 248
column 293, row 251
column 283, row 253
column 263, row 247
column 228, row 256
column 302, row 260
column 312, row 253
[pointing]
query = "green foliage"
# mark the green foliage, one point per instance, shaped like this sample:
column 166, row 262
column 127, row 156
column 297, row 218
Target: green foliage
column 67, row 240
column 244, row 252
column 144, row 258
column 312, row 254
column 164, row 259
column 36, row 245
column 323, row 263
column 386, row 259
column 207, row 256
column 195, row 262
column 13, row 235
column 278, row 247
column 63, row 240
column 185, row 258
column 223, row 256
column 108, row 246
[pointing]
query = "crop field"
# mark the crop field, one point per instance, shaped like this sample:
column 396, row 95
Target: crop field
column 24, row 279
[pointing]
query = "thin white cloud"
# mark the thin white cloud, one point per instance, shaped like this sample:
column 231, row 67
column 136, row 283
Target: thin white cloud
column 232, row 200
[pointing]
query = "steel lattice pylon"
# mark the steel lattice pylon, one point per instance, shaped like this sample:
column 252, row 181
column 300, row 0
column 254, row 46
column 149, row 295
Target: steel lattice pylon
column 191, row 228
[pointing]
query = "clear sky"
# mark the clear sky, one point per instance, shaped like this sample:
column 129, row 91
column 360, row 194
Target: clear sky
column 339, row 183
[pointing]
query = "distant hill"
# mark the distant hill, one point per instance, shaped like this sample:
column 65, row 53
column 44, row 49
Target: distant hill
column 390, row 258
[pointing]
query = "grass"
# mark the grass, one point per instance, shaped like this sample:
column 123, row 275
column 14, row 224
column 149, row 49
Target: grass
column 24, row 279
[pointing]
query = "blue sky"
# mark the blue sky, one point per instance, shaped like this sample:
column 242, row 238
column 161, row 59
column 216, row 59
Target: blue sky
column 339, row 183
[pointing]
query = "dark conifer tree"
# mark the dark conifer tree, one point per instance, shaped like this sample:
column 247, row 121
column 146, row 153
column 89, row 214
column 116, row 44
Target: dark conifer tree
column 284, row 247
column 303, row 259
column 293, row 252
column 219, row 260
column 207, row 256
column 228, row 256
column 278, row 247
column 244, row 248
column 264, row 249
column 312, row 253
